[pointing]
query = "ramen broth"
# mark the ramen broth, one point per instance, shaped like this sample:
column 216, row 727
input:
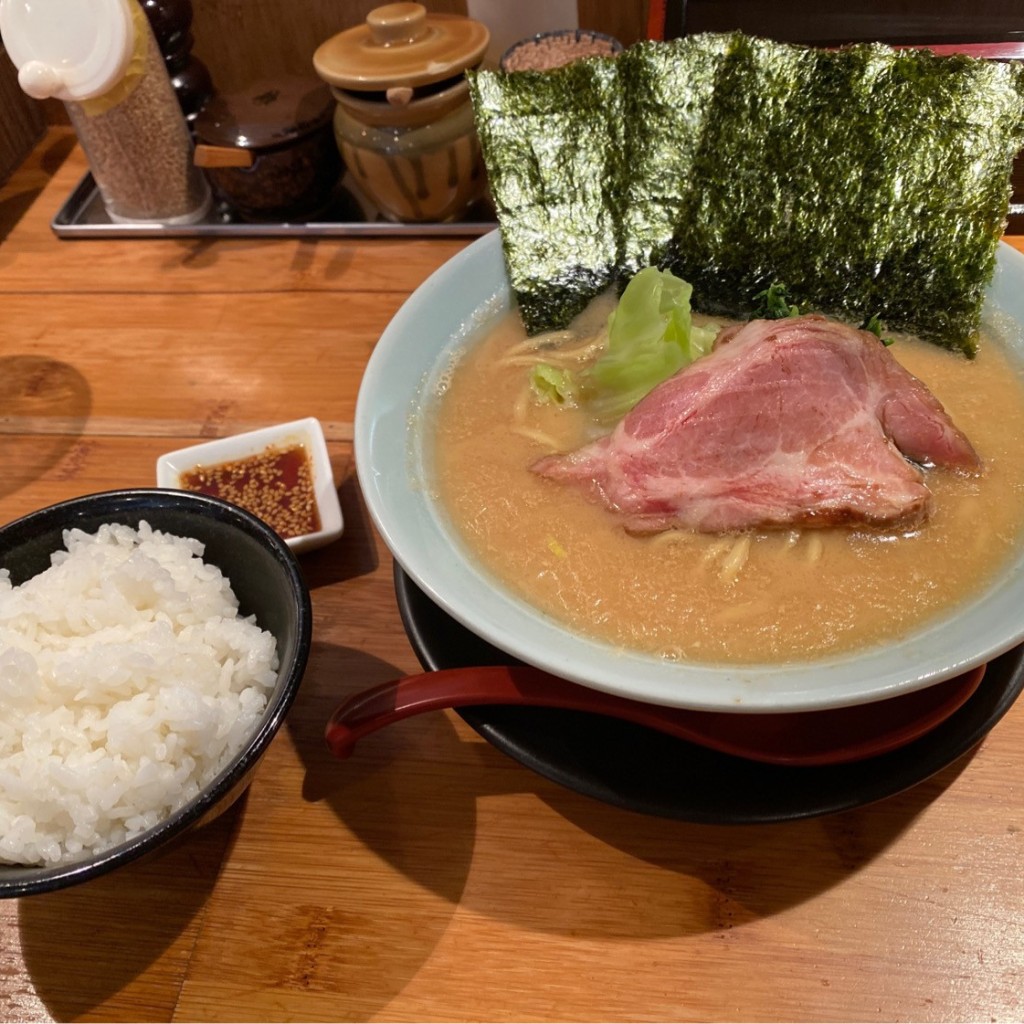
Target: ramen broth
column 743, row 598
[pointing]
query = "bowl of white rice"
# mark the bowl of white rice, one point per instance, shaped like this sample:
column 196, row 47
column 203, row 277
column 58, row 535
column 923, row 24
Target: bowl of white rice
column 151, row 643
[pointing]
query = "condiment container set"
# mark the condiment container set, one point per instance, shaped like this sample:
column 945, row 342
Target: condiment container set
column 101, row 59
column 391, row 106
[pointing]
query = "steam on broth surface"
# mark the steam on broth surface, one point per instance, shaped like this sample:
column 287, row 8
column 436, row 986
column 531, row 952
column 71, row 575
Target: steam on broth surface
column 762, row 596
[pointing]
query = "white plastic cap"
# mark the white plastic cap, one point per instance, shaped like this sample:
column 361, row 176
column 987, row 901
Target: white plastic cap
column 69, row 49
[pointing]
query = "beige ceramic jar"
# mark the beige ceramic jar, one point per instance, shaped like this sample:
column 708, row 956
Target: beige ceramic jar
column 404, row 121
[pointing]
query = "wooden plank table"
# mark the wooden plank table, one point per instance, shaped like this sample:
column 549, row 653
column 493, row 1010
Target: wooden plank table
column 430, row 877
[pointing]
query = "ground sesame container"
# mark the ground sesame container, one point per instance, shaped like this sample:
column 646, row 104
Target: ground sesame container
column 404, row 121
column 548, row 50
column 102, row 60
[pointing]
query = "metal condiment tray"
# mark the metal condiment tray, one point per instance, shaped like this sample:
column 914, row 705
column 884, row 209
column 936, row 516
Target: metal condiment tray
column 83, row 215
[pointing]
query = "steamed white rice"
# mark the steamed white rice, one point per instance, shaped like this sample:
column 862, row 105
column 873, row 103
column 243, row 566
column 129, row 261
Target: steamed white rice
column 128, row 680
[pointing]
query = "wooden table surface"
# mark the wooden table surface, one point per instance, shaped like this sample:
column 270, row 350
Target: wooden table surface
column 430, row 877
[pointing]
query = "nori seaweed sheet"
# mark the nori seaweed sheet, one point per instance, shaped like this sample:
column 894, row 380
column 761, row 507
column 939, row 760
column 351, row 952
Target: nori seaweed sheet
column 866, row 179
column 553, row 146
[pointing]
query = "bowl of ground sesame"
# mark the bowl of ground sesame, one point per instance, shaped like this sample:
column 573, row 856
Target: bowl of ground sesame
column 281, row 473
column 548, row 50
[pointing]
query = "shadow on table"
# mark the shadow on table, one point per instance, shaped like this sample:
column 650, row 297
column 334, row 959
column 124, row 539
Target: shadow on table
column 400, row 799
column 14, row 207
column 413, row 794
column 32, row 390
column 355, row 553
column 751, row 871
column 83, row 947
column 17, row 204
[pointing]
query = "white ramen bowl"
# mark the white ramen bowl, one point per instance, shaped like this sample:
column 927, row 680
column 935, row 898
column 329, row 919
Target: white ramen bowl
column 393, row 459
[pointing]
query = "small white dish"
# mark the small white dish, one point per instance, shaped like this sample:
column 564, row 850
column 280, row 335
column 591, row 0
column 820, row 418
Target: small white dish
column 173, row 466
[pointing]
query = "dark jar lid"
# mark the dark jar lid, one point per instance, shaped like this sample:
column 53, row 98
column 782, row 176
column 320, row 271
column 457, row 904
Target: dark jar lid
column 266, row 114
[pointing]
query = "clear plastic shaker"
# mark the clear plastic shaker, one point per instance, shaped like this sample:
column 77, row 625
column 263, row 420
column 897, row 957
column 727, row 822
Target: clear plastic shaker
column 102, row 60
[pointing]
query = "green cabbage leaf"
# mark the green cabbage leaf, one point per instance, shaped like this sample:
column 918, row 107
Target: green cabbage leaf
column 651, row 336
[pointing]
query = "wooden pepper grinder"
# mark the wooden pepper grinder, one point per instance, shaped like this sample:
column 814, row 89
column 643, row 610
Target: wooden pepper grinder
column 171, row 21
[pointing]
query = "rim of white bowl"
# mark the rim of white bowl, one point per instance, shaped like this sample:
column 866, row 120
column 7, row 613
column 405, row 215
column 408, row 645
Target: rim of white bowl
column 392, row 464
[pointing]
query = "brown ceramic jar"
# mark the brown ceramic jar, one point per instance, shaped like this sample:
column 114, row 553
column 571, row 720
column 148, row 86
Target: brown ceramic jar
column 403, row 120
column 269, row 150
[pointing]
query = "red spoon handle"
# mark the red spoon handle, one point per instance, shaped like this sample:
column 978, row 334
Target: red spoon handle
column 830, row 736
column 372, row 709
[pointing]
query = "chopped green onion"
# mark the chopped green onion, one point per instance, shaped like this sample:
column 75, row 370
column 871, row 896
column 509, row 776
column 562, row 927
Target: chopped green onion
column 876, row 327
column 553, row 385
column 773, row 304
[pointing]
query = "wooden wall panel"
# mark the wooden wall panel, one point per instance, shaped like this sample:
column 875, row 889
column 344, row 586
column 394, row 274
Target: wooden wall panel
column 21, row 119
column 627, row 20
column 240, row 40
column 243, row 40
column 839, row 21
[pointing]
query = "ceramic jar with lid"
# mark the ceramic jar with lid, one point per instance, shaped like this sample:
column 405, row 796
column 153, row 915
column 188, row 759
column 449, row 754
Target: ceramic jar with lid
column 404, row 120
column 269, row 149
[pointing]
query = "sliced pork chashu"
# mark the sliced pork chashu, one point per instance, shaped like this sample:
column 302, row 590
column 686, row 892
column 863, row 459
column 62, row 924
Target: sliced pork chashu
column 799, row 422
